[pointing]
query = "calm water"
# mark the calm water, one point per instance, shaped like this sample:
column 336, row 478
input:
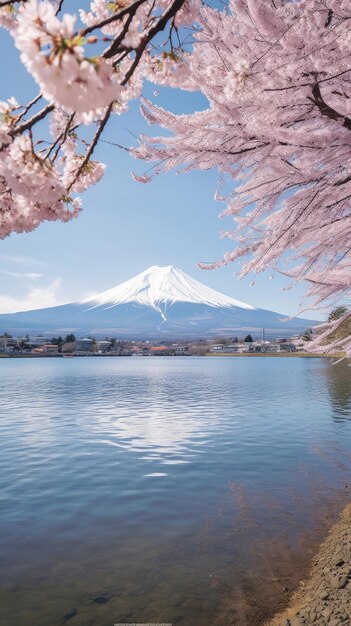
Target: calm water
column 163, row 489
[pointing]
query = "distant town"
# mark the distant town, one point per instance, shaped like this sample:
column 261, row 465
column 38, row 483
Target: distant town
column 71, row 346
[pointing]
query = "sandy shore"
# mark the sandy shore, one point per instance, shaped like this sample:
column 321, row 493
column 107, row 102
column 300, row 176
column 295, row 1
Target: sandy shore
column 324, row 598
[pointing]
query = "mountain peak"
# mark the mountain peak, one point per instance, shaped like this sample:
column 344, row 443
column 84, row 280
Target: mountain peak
column 163, row 301
column 161, row 286
column 164, row 269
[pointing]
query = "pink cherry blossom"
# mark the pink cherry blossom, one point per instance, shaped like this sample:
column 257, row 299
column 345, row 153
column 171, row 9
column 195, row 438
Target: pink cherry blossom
column 55, row 56
column 276, row 75
column 79, row 176
column 277, row 79
column 85, row 71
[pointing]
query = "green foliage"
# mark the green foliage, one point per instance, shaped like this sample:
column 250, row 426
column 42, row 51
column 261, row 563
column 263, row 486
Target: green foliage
column 56, row 341
column 248, row 339
column 307, row 336
column 337, row 313
column 70, row 338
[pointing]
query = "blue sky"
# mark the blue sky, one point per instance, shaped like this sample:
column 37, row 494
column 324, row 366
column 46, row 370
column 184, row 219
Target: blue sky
column 125, row 226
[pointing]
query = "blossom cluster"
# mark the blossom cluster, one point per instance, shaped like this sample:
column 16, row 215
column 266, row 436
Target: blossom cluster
column 87, row 67
column 63, row 60
column 278, row 128
column 54, row 54
column 34, row 186
column 277, row 79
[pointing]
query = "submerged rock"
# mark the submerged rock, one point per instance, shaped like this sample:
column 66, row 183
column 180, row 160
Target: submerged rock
column 101, row 599
column 69, row 615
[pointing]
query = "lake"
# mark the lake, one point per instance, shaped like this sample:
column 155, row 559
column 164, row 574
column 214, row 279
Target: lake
column 183, row 491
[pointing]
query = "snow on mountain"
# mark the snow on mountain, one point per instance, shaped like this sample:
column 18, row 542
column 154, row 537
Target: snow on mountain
column 160, row 287
column 161, row 303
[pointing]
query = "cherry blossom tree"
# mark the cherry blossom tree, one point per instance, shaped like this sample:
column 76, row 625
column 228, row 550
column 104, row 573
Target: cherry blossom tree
column 277, row 76
column 87, row 68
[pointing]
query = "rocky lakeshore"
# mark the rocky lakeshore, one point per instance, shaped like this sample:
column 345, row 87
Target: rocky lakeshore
column 324, row 599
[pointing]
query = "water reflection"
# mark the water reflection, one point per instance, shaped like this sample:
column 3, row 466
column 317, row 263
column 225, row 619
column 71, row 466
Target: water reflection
column 177, row 489
column 338, row 379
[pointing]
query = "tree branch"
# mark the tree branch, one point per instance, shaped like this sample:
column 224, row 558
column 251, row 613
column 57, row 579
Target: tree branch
column 325, row 109
column 33, row 120
column 113, row 18
column 6, row 3
column 92, row 145
column 28, row 106
column 114, row 47
column 161, row 24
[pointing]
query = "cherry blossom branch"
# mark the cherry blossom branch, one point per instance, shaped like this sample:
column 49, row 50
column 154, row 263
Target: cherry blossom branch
column 59, row 7
column 92, row 146
column 61, row 138
column 113, row 18
column 6, row 3
column 271, row 130
column 39, row 183
column 29, row 106
column 325, row 109
column 33, row 120
column 160, row 25
column 262, row 66
column 298, row 86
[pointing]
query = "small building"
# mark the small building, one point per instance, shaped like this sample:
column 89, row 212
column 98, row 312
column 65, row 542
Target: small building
column 103, row 346
column 249, row 346
column 85, row 344
column 40, row 340
column 160, row 351
column 7, row 344
column 47, row 348
column 278, row 348
column 231, row 348
column 244, row 347
column 180, row 350
column 217, row 348
column 50, row 348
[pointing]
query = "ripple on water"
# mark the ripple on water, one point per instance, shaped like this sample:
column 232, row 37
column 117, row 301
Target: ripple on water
column 170, row 487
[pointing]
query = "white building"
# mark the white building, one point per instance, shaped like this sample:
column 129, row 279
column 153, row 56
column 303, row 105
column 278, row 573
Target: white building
column 7, row 344
column 103, row 346
column 217, row 348
column 85, row 344
column 39, row 341
column 280, row 347
column 231, row 348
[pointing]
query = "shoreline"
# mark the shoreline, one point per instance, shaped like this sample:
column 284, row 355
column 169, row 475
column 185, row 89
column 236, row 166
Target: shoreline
column 288, row 355
column 265, row 355
column 324, row 597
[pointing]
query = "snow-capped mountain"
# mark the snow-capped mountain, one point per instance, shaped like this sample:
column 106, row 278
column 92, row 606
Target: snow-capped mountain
column 159, row 288
column 162, row 302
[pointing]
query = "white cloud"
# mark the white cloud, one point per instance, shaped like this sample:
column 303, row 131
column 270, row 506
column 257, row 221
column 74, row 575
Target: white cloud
column 35, row 298
column 23, row 260
column 32, row 275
